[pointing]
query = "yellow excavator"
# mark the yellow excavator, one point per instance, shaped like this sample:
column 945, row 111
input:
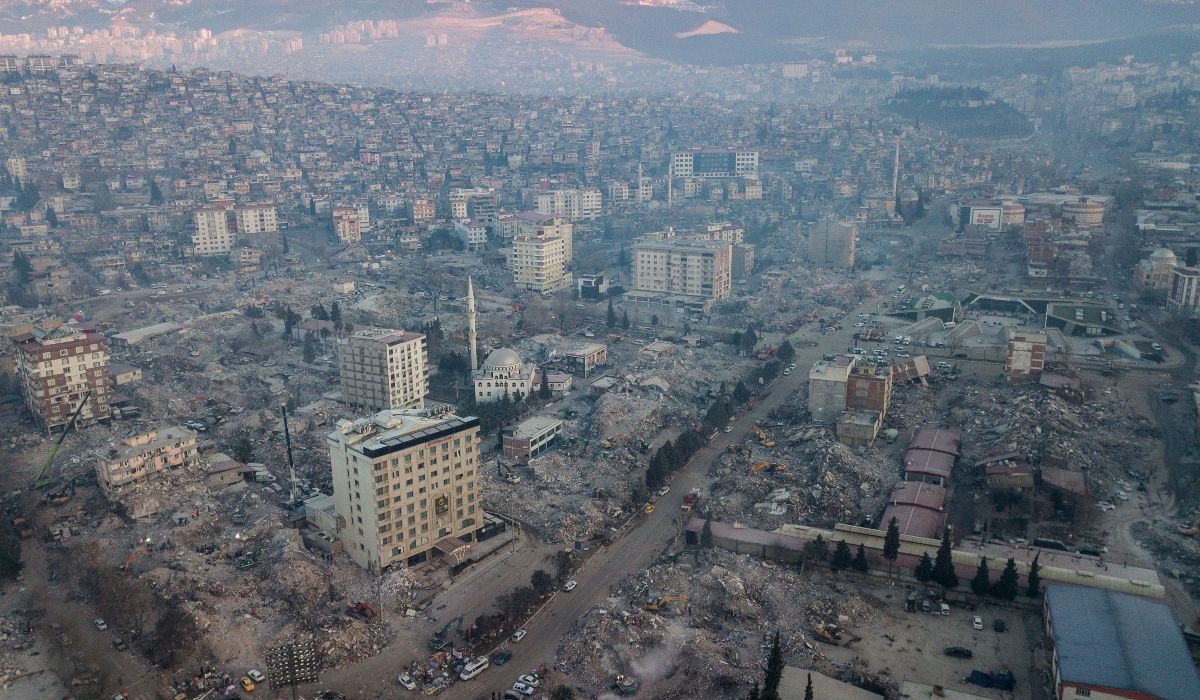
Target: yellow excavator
column 765, row 465
column 762, row 436
column 1192, row 529
column 654, row 606
column 830, row 634
column 612, row 442
column 136, row 553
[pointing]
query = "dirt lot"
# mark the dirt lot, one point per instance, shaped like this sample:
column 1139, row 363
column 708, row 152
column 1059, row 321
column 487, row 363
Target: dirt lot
column 911, row 646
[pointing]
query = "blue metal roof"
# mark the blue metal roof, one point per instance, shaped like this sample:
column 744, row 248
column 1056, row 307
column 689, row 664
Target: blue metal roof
column 1107, row 639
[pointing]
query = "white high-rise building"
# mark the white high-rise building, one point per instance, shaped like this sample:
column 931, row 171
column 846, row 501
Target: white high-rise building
column 383, row 369
column 256, row 218
column 211, row 236
column 714, row 162
column 539, row 263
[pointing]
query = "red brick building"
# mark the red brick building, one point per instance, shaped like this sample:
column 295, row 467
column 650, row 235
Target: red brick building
column 58, row 367
column 869, row 388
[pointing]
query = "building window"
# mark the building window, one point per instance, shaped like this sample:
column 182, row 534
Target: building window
column 1083, row 692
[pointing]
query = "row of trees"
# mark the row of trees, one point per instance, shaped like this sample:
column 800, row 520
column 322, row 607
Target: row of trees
column 671, row 457
column 941, row 571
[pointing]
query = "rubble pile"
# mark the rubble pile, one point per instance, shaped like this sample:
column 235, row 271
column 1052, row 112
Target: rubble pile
column 15, row 637
column 734, row 606
column 1175, row 555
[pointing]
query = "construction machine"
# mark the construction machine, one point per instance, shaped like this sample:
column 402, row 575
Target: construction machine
column 438, row 640
column 830, row 634
column 627, row 686
column 737, row 449
column 133, row 555
column 22, row 528
column 38, row 483
column 759, row 467
column 612, row 442
column 362, row 611
column 1192, row 529
column 653, row 606
column 763, row 439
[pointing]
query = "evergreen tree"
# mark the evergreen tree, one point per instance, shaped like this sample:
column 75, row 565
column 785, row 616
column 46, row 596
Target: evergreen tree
column 625, row 320
column 22, row 266
column 924, row 570
column 891, row 544
column 335, row 312
column 1006, row 587
column 706, row 536
column 310, row 347
column 1191, row 257
column 156, row 195
column 786, row 353
column 982, row 583
column 10, row 554
column 943, row 569
column 754, row 694
column 611, row 319
column 841, row 557
column 741, row 393
column 774, row 673
column 1034, row 589
column 544, row 392
column 808, row 691
column 51, row 217
column 860, row 561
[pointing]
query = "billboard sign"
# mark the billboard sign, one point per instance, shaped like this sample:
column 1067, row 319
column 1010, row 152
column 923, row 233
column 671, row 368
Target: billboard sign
column 986, row 216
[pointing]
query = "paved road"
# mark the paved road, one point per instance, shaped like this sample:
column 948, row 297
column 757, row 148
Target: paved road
column 649, row 536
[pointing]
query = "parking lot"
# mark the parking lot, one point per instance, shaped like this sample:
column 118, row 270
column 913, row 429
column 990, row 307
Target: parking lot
column 912, row 645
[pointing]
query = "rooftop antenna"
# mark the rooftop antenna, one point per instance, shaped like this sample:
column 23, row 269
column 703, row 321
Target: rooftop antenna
column 896, row 169
column 287, row 436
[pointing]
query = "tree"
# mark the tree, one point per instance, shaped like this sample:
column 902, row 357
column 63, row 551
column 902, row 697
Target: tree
column 318, row 312
column 706, row 535
column 625, row 320
column 808, row 691
column 860, row 561
column 1191, row 257
column 891, row 544
column 924, row 570
column 754, row 692
column 1006, row 587
column 335, row 312
column 310, row 347
column 10, row 553
column 243, row 450
column 982, row 583
column 28, row 196
column 654, row 320
column 562, row 692
column 841, row 557
column 748, row 340
column 1034, row 589
column 51, row 217
column 814, row 551
column 541, row 582
column 156, row 195
column 943, row 569
column 774, row 673
column 611, row 318
column 786, row 353
column 741, row 393
column 175, row 633
column 544, row 390
column 22, row 266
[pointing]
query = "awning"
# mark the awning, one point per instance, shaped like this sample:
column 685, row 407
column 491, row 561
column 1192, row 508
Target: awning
column 452, row 546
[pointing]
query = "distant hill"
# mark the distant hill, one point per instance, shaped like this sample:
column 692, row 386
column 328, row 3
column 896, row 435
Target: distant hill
column 968, row 112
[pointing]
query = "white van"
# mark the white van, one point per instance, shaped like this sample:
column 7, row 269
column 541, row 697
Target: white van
column 474, row 668
column 949, row 324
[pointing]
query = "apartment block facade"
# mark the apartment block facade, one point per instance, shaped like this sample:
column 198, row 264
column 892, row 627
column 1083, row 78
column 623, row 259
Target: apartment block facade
column 680, row 266
column 405, row 482
column 383, row 369
column 254, row 219
column 212, row 236
column 58, row 367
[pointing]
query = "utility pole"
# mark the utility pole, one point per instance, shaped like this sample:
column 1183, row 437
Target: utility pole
column 287, row 436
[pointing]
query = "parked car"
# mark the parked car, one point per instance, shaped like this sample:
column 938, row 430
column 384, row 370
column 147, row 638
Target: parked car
column 977, row 622
column 406, row 682
column 518, row 635
column 503, row 657
column 570, row 585
column 959, row 652
column 945, row 608
column 529, row 681
column 999, row 625
column 522, row 688
column 100, row 624
column 256, row 676
column 664, row 490
column 120, row 645
column 247, row 684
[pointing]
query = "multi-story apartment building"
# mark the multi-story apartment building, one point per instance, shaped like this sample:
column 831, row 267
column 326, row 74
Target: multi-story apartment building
column 573, row 204
column 382, row 369
column 405, row 482
column 143, row 455
column 473, row 234
column 539, row 263
column 869, row 388
column 212, row 236
column 345, row 224
column 542, row 225
column 253, row 219
column 714, row 162
column 423, row 210
column 618, row 190
column 831, row 243
column 1184, row 293
column 666, row 264
column 58, row 367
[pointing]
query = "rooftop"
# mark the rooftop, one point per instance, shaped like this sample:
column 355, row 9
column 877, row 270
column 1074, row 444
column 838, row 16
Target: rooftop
column 1107, row 639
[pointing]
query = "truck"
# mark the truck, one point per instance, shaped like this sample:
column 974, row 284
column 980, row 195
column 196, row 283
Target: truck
column 690, row 500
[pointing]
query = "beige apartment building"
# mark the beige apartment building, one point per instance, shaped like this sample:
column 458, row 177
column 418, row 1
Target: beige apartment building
column 255, row 219
column 405, row 482
column 666, row 264
column 211, row 236
column 57, row 367
column 831, row 243
column 383, row 369
column 539, row 263
column 144, row 455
